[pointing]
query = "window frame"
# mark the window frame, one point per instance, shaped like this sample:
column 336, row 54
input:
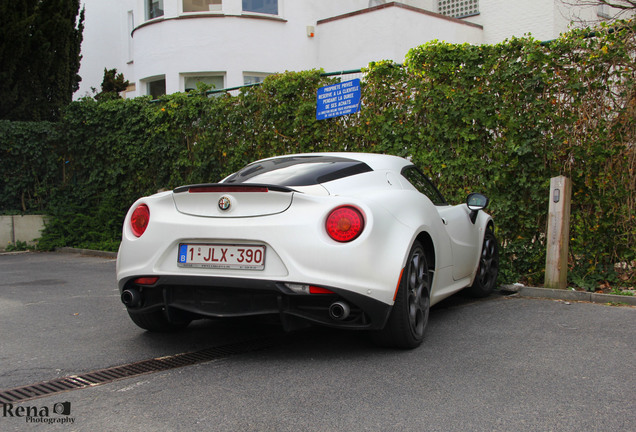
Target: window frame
column 149, row 8
column 426, row 187
column 277, row 14
column 148, row 82
column 219, row 10
column 259, row 75
column 186, row 75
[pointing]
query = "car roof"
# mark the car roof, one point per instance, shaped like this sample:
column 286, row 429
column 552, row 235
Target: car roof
column 376, row 161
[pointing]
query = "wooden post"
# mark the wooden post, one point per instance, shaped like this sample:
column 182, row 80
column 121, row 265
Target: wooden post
column 556, row 265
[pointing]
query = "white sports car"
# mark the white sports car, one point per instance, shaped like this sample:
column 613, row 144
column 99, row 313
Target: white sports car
column 348, row 240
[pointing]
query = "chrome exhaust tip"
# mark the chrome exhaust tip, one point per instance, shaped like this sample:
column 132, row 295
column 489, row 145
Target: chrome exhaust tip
column 339, row 311
column 131, row 297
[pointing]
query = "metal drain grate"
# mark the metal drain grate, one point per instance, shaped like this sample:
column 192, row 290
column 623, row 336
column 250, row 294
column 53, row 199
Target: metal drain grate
column 104, row 376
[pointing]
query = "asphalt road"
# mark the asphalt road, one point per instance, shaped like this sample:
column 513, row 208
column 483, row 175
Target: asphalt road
column 504, row 363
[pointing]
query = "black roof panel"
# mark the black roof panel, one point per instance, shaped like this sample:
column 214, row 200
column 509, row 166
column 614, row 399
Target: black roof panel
column 298, row 170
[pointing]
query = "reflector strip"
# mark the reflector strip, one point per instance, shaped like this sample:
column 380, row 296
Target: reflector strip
column 319, row 290
column 146, row 280
column 398, row 285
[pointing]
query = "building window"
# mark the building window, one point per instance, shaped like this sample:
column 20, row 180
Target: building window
column 215, row 81
column 261, row 6
column 253, row 78
column 458, row 8
column 154, row 9
column 603, row 11
column 156, row 87
column 131, row 28
column 202, row 5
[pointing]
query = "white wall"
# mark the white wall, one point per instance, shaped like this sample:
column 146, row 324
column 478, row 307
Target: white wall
column 385, row 34
column 505, row 18
column 105, row 42
column 543, row 19
column 231, row 42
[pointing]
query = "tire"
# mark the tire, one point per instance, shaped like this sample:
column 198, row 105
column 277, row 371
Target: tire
column 486, row 277
column 157, row 321
column 407, row 323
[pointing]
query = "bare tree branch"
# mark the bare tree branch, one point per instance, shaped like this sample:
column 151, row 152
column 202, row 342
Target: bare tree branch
column 617, row 4
column 608, row 10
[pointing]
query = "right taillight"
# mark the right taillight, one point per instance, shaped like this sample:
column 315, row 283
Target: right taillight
column 344, row 224
column 139, row 220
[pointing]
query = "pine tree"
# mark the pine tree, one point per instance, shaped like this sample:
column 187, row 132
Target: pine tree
column 112, row 84
column 40, row 42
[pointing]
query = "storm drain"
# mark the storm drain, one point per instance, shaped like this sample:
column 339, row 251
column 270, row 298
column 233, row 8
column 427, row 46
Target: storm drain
column 104, row 376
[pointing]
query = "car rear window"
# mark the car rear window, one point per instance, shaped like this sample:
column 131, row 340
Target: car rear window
column 298, row 170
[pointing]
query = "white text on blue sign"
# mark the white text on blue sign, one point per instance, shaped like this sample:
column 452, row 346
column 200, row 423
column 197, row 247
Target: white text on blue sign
column 338, row 99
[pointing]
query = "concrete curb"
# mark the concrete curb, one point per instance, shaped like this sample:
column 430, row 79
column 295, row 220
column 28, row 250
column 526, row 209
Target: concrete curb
column 89, row 252
column 3, row 252
column 568, row 295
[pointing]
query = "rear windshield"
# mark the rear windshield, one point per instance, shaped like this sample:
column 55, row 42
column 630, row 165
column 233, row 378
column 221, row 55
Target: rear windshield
column 298, row 170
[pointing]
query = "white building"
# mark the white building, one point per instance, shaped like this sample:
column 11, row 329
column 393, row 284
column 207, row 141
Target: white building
column 167, row 46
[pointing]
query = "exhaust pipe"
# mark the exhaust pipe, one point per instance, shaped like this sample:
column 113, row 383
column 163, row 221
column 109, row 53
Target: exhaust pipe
column 131, row 297
column 339, row 311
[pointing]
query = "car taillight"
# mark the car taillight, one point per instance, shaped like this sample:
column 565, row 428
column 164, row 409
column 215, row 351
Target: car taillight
column 344, row 224
column 139, row 220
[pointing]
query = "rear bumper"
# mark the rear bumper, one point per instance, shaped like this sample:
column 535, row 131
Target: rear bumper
column 204, row 297
column 297, row 247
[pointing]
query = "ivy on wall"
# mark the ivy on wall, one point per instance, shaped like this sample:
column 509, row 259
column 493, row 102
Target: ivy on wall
column 499, row 119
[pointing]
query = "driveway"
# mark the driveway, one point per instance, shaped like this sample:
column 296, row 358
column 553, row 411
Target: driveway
column 503, row 363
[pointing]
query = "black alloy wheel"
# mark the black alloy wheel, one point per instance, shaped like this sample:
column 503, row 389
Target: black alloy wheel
column 486, row 277
column 409, row 317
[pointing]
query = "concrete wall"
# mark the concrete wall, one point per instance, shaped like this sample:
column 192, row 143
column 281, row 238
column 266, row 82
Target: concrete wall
column 20, row 228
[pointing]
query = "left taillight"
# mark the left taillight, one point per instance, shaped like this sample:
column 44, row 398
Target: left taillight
column 139, row 220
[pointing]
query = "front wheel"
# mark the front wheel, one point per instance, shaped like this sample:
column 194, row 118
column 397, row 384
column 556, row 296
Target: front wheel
column 409, row 317
column 488, row 270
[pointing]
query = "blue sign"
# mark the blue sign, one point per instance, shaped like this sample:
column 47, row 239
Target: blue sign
column 338, row 99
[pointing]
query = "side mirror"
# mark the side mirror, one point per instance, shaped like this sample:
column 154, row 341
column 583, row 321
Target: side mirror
column 476, row 202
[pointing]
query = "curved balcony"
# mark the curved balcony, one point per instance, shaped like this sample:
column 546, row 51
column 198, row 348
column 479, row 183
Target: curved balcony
column 223, row 39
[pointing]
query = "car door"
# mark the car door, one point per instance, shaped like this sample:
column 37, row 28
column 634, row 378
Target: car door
column 464, row 237
column 462, row 233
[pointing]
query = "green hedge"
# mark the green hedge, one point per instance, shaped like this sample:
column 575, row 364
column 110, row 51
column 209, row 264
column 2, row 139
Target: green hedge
column 29, row 165
column 500, row 119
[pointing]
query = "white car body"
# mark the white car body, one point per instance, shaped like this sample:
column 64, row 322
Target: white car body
column 289, row 222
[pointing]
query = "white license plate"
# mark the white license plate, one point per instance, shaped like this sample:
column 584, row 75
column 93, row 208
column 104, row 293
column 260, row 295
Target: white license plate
column 237, row 257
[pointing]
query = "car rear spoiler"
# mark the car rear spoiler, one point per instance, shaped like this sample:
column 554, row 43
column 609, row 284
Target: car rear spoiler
column 229, row 188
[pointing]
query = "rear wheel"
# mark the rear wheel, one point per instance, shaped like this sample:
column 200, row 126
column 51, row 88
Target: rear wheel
column 488, row 270
column 157, row 321
column 409, row 317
